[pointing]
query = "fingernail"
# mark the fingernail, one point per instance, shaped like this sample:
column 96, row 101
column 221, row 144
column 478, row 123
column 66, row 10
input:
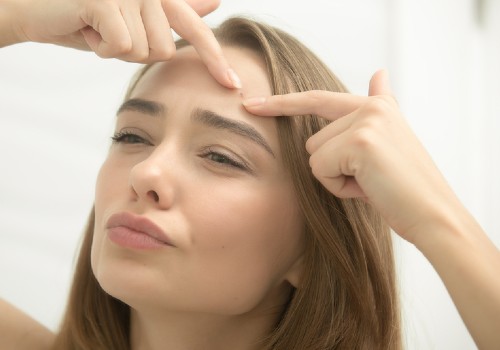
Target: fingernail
column 234, row 78
column 254, row 101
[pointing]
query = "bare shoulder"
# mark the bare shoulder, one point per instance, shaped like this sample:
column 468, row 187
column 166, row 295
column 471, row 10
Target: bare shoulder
column 19, row 331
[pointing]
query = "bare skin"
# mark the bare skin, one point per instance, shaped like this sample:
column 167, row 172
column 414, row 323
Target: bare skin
column 19, row 331
column 135, row 31
column 112, row 29
column 355, row 156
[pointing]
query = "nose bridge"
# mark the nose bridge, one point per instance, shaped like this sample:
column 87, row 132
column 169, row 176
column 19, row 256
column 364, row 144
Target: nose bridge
column 153, row 178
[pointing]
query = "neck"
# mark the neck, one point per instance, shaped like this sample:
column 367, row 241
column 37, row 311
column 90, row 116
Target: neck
column 184, row 331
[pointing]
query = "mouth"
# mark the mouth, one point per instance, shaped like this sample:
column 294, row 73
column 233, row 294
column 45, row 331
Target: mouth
column 137, row 232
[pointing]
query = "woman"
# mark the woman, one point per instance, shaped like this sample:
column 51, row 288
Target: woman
column 210, row 231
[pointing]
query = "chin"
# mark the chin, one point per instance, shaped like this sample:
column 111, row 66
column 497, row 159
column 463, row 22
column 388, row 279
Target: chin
column 125, row 279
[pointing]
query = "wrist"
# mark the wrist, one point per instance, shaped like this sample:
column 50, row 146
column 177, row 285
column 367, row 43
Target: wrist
column 448, row 230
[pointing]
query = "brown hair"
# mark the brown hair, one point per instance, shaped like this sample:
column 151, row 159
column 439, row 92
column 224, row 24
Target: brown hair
column 347, row 296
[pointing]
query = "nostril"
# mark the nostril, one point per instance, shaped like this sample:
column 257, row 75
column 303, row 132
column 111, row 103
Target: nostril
column 154, row 195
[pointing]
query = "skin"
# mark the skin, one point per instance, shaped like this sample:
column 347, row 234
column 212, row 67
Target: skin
column 353, row 157
column 19, row 331
column 137, row 31
column 237, row 232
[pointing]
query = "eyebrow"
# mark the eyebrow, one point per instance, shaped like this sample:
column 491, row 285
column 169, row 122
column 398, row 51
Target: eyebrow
column 217, row 121
column 151, row 108
column 199, row 115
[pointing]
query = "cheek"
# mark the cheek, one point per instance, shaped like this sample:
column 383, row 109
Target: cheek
column 111, row 185
column 247, row 240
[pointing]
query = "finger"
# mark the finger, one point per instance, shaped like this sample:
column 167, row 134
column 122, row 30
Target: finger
column 379, row 84
column 107, row 34
column 203, row 7
column 139, row 51
column 158, row 32
column 326, row 104
column 330, row 131
column 190, row 26
column 330, row 165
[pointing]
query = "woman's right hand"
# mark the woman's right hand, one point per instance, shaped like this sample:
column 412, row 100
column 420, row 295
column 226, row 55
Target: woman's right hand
column 130, row 30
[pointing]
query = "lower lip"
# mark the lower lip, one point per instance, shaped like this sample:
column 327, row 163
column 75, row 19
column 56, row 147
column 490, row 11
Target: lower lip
column 128, row 238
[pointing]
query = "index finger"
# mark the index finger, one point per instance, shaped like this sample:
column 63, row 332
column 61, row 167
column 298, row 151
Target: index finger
column 326, row 104
column 188, row 24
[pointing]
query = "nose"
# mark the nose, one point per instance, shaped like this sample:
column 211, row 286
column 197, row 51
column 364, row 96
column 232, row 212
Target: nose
column 152, row 181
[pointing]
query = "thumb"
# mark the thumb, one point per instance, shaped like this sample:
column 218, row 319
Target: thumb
column 379, row 84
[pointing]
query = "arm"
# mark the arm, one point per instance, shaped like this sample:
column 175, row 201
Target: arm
column 21, row 332
column 469, row 265
column 131, row 30
column 355, row 156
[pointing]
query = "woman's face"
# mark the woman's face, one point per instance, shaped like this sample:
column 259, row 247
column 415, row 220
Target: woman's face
column 188, row 158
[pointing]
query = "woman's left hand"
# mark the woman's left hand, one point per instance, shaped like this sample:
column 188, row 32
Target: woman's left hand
column 369, row 151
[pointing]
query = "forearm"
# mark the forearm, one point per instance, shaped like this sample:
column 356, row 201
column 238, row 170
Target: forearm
column 9, row 30
column 469, row 265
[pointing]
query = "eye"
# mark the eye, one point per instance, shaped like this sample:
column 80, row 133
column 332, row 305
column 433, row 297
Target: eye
column 128, row 137
column 223, row 159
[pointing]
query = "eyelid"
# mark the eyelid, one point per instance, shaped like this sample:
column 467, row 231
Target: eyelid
column 129, row 131
column 241, row 163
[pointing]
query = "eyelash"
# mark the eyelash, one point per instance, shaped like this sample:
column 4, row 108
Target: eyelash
column 227, row 161
column 128, row 137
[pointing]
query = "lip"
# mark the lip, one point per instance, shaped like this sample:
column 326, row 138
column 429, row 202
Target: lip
column 135, row 231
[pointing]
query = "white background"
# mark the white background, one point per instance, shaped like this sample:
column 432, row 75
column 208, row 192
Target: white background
column 57, row 107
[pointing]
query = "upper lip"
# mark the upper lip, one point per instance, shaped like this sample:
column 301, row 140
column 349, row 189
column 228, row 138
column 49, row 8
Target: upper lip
column 138, row 223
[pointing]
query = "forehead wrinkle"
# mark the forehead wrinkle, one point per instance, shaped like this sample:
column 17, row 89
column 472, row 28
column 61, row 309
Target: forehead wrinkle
column 214, row 120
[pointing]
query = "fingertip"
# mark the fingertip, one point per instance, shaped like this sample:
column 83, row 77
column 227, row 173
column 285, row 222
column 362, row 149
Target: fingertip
column 380, row 83
column 234, row 79
column 227, row 77
column 254, row 102
column 384, row 77
column 310, row 146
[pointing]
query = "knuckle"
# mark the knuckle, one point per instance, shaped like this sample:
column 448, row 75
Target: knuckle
column 310, row 145
column 316, row 99
column 122, row 47
column 168, row 53
column 316, row 96
column 165, row 53
column 363, row 138
column 372, row 121
column 170, row 50
column 139, row 56
column 379, row 105
column 314, row 164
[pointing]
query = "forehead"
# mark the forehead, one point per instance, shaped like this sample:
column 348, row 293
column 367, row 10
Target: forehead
column 184, row 84
column 186, row 76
